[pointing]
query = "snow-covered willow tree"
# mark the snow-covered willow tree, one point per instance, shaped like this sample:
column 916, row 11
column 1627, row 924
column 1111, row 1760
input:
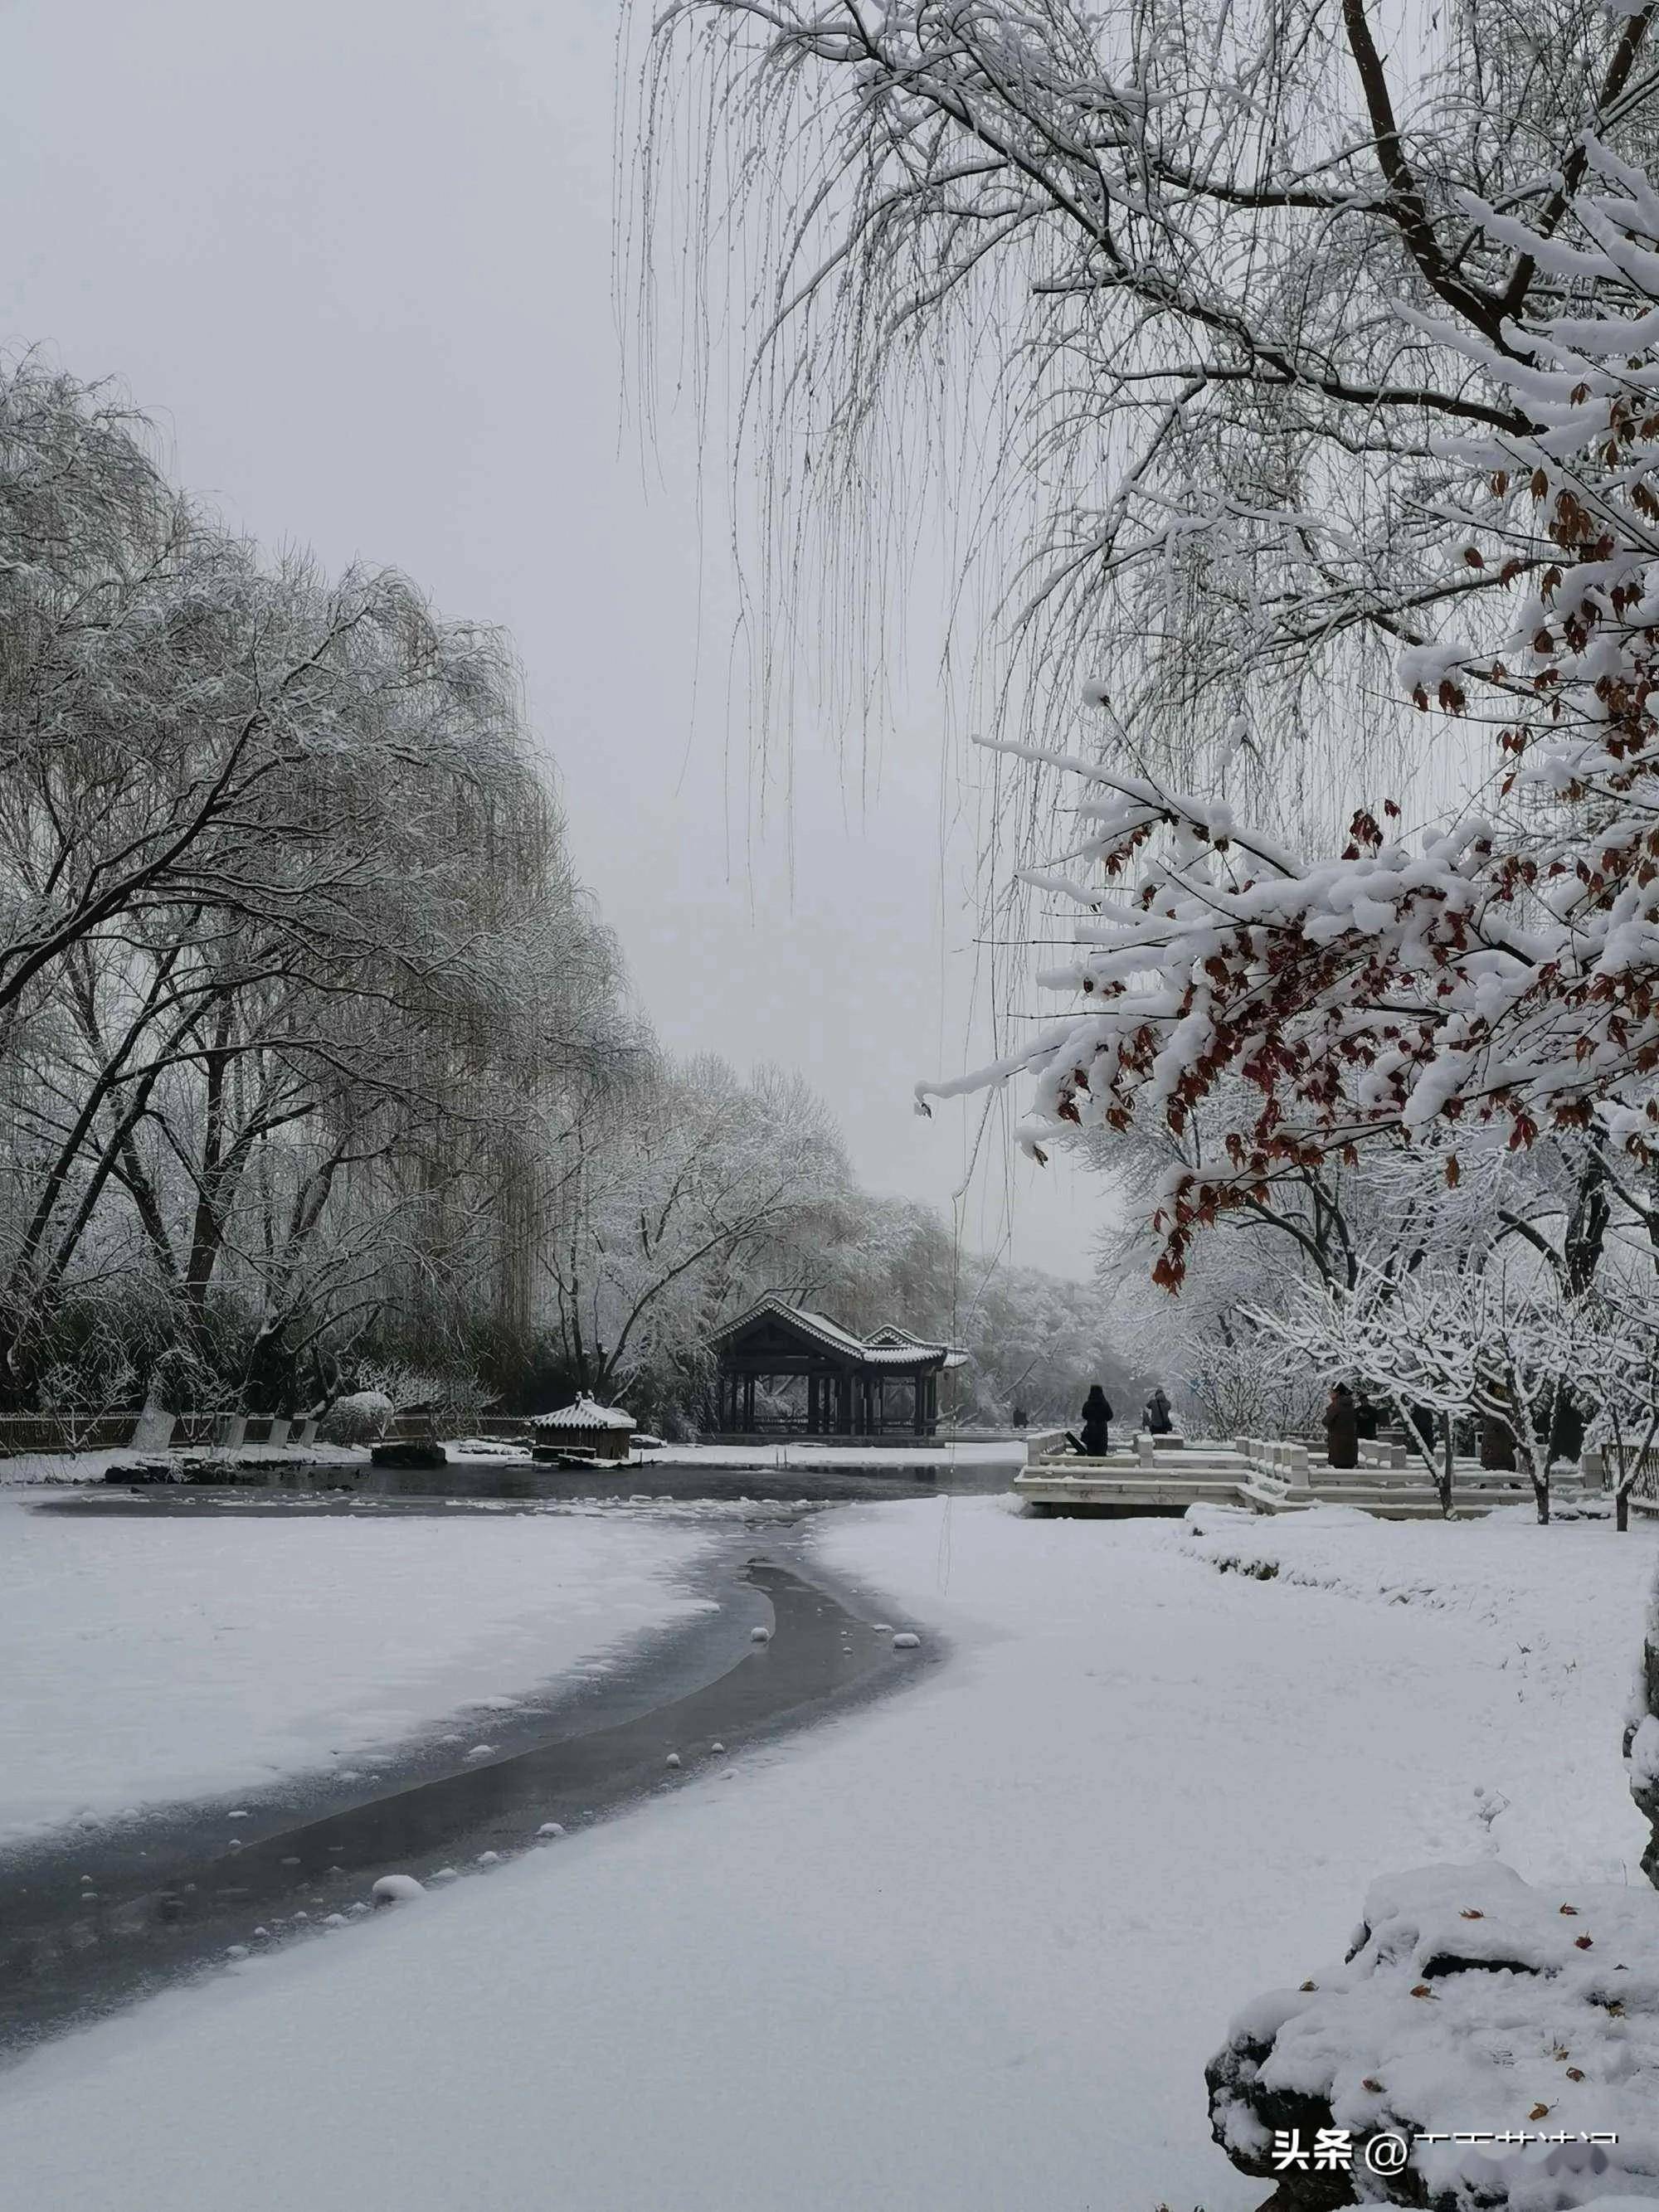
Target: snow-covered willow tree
column 290, row 950
column 1283, row 370
column 1498, row 967
column 1172, row 306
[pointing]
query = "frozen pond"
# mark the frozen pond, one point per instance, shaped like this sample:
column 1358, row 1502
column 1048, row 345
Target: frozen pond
column 101, row 1915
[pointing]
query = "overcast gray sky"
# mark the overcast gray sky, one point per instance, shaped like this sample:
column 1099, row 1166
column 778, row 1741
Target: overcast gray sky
column 355, row 256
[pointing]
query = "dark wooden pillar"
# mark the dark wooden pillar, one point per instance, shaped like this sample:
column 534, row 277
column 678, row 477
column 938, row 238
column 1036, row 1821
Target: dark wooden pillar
column 918, row 1393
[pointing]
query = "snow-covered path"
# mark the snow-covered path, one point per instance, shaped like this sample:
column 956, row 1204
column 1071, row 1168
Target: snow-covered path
column 150, row 1659
column 968, row 1949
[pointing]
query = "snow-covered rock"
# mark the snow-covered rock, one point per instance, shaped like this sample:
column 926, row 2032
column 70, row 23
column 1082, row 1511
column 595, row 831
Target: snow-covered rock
column 760, row 1636
column 550, row 1828
column 906, row 1640
column 395, row 1889
column 1469, row 2001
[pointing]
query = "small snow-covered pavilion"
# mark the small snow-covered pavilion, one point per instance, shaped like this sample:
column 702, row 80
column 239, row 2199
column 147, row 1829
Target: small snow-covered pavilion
column 820, row 1380
column 601, row 1431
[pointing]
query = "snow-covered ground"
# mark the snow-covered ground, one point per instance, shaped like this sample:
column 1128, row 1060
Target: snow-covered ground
column 154, row 1659
column 42, row 1470
column 964, row 1951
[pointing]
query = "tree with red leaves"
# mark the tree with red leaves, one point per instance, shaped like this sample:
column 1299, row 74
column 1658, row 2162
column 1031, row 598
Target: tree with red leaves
column 1501, row 966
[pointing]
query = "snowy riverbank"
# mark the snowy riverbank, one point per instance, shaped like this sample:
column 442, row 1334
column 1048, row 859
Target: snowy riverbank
column 968, row 1949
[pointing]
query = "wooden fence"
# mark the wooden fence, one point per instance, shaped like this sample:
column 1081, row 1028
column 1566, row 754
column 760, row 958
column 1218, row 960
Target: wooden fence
column 64, row 1432
column 506, row 1428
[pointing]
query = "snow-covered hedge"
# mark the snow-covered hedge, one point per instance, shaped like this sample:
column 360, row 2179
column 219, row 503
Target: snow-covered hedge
column 1470, row 2003
column 360, row 1418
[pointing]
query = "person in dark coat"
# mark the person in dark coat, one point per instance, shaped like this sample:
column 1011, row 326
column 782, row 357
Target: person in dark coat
column 1365, row 1419
column 1160, row 1421
column 1341, row 1428
column 1496, row 1445
column 1095, row 1415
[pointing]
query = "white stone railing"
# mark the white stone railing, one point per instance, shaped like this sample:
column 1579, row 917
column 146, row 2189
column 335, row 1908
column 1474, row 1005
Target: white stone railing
column 1287, row 1462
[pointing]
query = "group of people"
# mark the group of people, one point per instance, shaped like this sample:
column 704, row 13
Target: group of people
column 1350, row 1418
column 1157, row 1417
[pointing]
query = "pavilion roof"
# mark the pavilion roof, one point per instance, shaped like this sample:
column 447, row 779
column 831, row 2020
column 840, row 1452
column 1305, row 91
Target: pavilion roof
column 888, row 1346
column 585, row 1414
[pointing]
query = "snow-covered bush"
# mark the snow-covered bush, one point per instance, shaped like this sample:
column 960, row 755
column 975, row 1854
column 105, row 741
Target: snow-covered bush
column 182, row 1380
column 361, row 1417
column 1468, row 2002
column 456, row 1397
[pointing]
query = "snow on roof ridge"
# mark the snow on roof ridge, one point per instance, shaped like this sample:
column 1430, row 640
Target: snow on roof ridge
column 585, row 1413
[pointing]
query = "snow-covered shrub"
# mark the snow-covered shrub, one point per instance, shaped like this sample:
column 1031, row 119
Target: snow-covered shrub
column 1234, row 1391
column 359, row 1419
column 182, row 1381
column 1469, row 2001
column 89, row 1385
column 456, row 1397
